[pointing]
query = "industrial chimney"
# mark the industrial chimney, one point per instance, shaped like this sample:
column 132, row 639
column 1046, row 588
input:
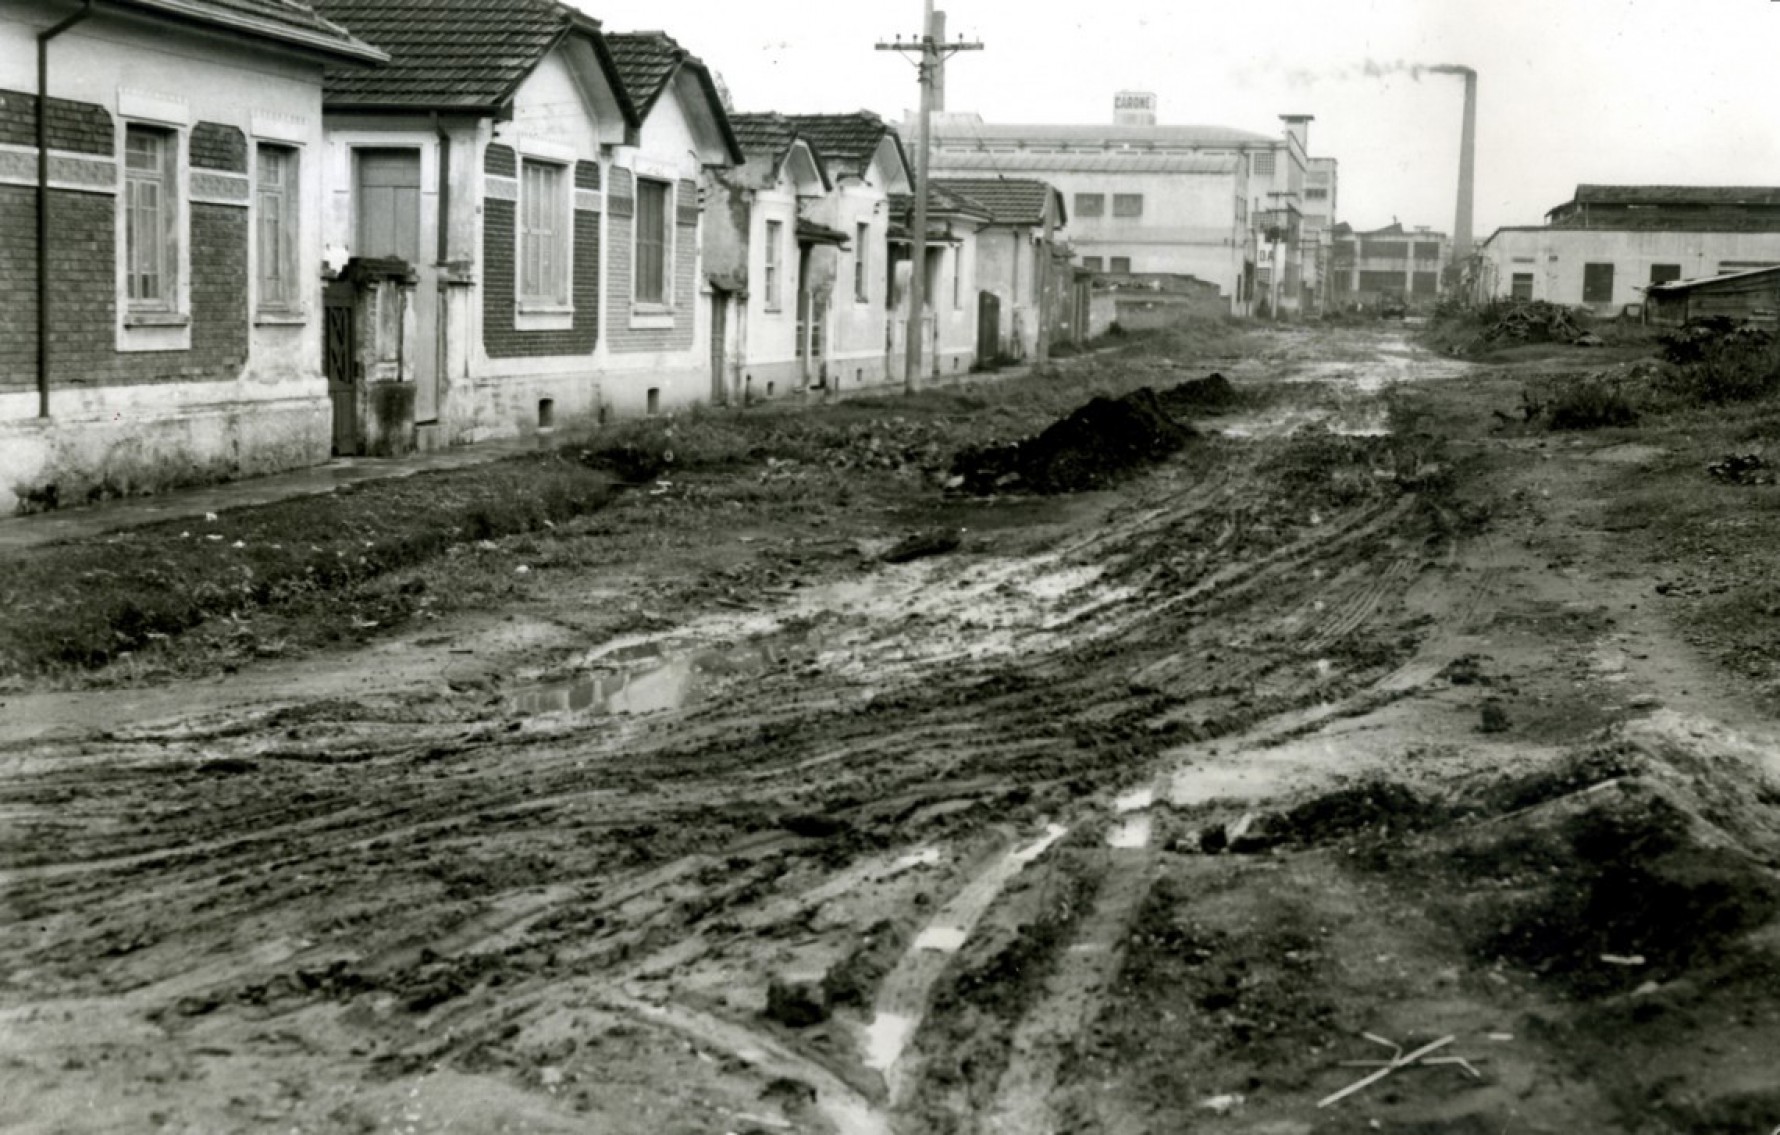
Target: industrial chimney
column 1462, row 223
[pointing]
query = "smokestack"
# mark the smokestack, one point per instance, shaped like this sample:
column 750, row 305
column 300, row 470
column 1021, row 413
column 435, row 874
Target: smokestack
column 939, row 68
column 1298, row 126
column 1462, row 223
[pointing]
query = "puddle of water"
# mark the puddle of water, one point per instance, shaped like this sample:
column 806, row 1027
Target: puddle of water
column 944, row 939
column 660, row 681
column 1135, row 801
column 885, row 1038
column 1131, row 835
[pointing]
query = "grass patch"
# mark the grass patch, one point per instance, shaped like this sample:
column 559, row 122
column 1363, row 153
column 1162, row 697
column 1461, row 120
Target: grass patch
column 81, row 605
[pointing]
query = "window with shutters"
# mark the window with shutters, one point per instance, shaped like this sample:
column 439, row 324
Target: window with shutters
column 1127, row 204
column 544, row 236
column 654, row 242
column 276, row 197
column 1520, row 287
column 1121, row 264
column 151, row 218
column 1663, row 273
column 1093, row 263
column 1090, row 204
column 772, row 285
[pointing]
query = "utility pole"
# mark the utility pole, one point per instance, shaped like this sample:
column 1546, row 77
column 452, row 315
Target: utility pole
column 933, row 51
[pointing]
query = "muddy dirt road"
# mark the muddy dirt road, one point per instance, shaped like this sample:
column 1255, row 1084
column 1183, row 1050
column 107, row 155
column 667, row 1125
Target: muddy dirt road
column 1178, row 806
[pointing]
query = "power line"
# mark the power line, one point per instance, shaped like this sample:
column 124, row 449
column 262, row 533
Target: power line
column 934, row 51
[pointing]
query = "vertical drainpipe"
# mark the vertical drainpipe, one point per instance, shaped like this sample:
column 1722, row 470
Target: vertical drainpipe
column 43, row 38
column 442, row 320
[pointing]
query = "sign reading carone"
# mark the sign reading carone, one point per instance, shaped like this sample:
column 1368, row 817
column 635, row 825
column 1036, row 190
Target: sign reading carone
column 1128, row 101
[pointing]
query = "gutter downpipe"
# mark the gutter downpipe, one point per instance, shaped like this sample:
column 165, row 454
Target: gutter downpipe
column 43, row 38
column 442, row 348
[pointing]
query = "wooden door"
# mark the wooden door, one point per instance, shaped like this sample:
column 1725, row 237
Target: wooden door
column 389, row 206
column 719, row 349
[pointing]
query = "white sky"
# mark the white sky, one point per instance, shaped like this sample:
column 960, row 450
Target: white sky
column 1617, row 91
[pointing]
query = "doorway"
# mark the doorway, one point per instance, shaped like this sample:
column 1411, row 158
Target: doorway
column 387, row 224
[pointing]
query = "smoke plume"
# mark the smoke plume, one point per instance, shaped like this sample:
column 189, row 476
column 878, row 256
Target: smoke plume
column 1369, row 69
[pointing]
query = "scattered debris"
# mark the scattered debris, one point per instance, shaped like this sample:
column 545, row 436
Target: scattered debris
column 1397, row 1062
column 797, row 1002
column 1741, row 469
column 1223, row 1105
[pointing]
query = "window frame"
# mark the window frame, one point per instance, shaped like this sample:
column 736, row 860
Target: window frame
column 1515, row 281
column 1081, row 208
column 772, row 283
column 166, row 224
column 278, row 289
column 1127, row 206
column 544, row 219
column 1263, row 163
column 1094, row 263
column 861, row 262
column 1113, row 262
column 667, row 188
column 957, row 277
column 164, row 323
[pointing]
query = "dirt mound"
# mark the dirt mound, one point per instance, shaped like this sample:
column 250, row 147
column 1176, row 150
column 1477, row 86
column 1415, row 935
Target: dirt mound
column 1093, row 447
column 1653, row 867
column 1199, row 395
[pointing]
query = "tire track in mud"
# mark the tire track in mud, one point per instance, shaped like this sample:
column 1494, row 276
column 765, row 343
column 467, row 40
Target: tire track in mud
column 902, row 998
column 1072, row 998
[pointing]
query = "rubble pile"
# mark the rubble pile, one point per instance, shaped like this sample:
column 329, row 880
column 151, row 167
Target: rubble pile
column 1090, row 449
column 1199, row 395
column 1741, row 469
column 1530, row 321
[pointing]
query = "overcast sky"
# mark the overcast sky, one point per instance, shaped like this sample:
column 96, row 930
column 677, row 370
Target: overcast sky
column 1618, row 91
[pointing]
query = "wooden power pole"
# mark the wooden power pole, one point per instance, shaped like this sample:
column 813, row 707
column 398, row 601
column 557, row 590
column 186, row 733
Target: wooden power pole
column 933, row 52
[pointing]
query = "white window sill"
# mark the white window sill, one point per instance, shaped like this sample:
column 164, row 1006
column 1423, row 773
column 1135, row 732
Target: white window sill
column 540, row 318
column 651, row 318
column 157, row 319
column 280, row 319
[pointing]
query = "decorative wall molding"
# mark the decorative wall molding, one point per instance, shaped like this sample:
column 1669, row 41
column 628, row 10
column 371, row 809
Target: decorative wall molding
column 272, row 126
column 590, row 201
column 153, row 106
column 83, row 173
column 497, row 188
column 211, row 187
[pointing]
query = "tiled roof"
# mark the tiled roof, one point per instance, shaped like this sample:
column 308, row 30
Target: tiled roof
column 941, row 202
column 284, row 21
column 646, row 62
column 1676, row 195
column 763, row 135
column 847, row 142
column 445, row 53
column 1010, row 201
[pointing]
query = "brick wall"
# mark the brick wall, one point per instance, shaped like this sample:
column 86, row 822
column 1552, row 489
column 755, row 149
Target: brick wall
column 83, row 307
column 214, row 146
column 79, row 127
column 500, row 161
column 500, row 337
column 619, row 334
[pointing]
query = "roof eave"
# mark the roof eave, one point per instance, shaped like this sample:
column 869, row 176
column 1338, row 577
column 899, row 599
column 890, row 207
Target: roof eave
column 348, row 49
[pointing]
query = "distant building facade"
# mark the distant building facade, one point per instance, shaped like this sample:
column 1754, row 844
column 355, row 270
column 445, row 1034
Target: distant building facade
column 1212, row 202
column 1366, row 267
column 1606, row 245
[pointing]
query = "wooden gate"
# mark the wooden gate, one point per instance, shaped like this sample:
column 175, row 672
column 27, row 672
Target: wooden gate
column 988, row 328
column 339, row 361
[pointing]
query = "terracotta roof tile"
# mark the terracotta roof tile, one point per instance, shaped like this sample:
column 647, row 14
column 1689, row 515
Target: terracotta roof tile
column 765, row 135
column 1010, row 201
column 1677, row 195
column 286, row 21
column 444, row 53
column 847, row 142
column 646, row 62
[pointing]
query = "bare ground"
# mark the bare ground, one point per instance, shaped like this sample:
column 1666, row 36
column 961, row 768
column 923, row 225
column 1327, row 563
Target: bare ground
column 1137, row 812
